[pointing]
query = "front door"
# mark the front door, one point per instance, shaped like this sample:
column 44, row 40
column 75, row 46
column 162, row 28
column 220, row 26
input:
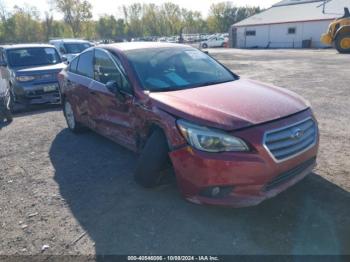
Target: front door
column 111, row 115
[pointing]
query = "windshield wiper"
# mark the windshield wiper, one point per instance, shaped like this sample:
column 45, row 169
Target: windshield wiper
column 209, row 83
column 174, row 88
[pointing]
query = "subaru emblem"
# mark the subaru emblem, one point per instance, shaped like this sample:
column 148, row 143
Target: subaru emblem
column 297, row 133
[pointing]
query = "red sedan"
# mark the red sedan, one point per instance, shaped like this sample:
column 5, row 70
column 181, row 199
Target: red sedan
column 231, row 141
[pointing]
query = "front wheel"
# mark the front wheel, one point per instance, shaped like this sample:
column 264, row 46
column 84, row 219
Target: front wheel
column 72, row 123
column 342, row 43
column 153, row 160
column 204, row 45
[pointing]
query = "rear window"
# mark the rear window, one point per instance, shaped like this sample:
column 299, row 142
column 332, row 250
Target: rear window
column 33, row 56
column 75, row 48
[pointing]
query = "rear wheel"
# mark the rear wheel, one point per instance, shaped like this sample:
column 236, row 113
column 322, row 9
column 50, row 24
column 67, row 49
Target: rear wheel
column 153, row 161
column 342, row 43
column 72, row 123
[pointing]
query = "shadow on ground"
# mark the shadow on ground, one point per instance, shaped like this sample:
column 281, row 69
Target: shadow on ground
column 95, row 179
column 36, row 109
column 33, row 110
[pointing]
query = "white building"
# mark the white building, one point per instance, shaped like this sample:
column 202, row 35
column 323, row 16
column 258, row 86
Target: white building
column 288, row 24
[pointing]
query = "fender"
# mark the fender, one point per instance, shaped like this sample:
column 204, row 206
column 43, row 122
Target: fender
column 341, row 30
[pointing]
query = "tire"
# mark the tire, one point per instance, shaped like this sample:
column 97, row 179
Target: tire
column 8, row 116
column 342, row 43
column 204, row 45
column 153, row 160
column 69, row 115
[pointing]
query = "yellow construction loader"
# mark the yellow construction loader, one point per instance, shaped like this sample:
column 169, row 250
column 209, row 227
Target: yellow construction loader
column 339, row 33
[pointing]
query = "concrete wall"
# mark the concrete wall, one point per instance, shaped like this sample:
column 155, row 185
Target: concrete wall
column 276, row 35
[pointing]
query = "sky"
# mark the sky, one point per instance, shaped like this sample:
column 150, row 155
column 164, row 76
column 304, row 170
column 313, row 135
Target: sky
column 101, row 7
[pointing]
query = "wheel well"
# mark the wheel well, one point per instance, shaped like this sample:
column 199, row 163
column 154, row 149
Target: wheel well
column 151, row 128
column 343, row 30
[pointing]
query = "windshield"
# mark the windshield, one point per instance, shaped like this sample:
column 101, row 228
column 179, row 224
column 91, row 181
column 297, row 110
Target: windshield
column 165, row 69
column 75, row 48
column 32, row 56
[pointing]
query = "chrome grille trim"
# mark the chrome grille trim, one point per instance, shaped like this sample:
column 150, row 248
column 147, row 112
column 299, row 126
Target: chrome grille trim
column 281, row 145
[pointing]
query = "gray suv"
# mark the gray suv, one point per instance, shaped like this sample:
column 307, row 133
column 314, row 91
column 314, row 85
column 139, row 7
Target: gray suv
column 29, row 74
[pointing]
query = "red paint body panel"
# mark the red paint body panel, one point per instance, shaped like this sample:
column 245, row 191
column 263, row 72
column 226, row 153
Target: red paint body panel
column 248, row 173
column 231, row 105
column 244, row 108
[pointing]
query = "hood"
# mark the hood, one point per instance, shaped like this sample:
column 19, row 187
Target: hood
column 40, row 69
column 231, row 105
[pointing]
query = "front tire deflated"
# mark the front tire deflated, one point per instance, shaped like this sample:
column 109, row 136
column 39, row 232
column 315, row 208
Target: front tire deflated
column 154, row 159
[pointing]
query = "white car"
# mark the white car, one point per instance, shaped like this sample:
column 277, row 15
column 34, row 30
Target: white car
column 216, row 41
column 70, row 48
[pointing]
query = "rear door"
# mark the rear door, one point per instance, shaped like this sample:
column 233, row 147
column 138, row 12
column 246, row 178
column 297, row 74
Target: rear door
column 111, row 116
column 80, row 77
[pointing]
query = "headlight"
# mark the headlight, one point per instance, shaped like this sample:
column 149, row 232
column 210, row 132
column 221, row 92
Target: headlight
column 25, row 78
column 209, row 140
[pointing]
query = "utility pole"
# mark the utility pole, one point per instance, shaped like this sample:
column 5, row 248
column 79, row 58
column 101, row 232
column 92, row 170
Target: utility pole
column 324, row 5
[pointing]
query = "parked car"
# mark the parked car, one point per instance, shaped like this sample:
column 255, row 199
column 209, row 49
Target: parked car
column 70, row 48
column 29, row 72
column 215, row 41
column 231, row 141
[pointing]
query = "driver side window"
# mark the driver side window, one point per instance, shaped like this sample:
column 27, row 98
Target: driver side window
column 105, row 70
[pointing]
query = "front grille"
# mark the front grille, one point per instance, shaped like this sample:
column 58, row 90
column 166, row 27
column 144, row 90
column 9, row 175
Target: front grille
column 285, row 177
column 287, row 142
column 41, row 92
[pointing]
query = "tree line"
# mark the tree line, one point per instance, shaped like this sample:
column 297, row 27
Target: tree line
column 26, row 24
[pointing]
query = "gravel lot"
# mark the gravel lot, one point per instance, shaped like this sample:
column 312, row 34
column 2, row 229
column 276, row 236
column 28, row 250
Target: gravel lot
column 76, row 193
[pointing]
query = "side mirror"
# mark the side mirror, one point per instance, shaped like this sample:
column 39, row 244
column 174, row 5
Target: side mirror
column 64, row 59
column 112, row 86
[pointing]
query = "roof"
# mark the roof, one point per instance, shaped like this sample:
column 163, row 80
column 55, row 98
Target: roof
column 294, row 2
column 15, row 46
column 289, row 11
column 127, row 46
column 69, row 40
